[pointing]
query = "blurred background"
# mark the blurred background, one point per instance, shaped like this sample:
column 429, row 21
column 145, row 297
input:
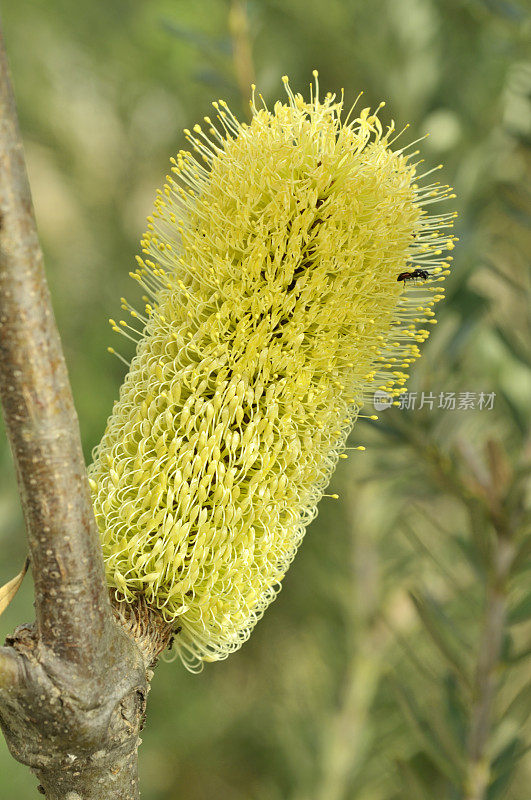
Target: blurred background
column 395, row 663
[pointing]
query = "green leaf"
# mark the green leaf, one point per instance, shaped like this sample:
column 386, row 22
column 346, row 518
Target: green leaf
column 521, row 612
column 507, row 646
column 415, row 790
column 519, row 709
column 518, row 417
column 442, row 633
column 214, row 79
column 504, row 766
column 410, row 652
column 511, row 202
column 471, row 554
column 420, row 546
column 483, row 538
column 516, row 657
column 208, row 45
column 522, row 558
column 514, row 346
column 503, row 274
column 455, row 710
column 503, row 8
column 427, row 735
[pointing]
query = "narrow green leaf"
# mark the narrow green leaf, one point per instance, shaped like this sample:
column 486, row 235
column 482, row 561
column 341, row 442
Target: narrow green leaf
column 483, row 538
column 521, row 612
column 507, row 646
column 214, row 78
column 511, row 205
column 519, row 709
column 467, row 548
column 522, row 559
column 210, row 45
column 504, row 767
column 419, row 545
column 516, row 657
column 511, row 11
column 498, row 788
column 423, row 669
column 415, row 790
column 442, row 633
column 427, row 735
column 519, row 417
column 505, row 275
column 513, row 345
column 455, row 710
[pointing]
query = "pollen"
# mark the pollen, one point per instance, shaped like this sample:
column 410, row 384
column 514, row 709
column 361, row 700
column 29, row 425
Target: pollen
column 273, row 313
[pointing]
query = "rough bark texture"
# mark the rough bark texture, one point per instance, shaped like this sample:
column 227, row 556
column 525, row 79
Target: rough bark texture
column 80, row 740
column 73, row 686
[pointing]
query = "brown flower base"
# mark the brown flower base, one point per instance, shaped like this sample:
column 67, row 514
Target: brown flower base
column 146, row 626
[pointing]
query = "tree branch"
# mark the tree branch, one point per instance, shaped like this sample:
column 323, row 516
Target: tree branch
column 71, row 600
column 73, row 687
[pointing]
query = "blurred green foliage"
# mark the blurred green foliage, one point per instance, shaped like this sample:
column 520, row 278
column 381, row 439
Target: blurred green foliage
column 368, row 677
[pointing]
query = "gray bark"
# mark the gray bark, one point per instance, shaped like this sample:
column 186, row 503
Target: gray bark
column 73, row 685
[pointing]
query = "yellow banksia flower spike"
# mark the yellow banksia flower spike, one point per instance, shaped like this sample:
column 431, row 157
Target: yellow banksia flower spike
column 273, row 312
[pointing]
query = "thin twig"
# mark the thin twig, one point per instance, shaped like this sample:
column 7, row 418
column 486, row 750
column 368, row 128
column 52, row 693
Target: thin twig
column 241, row 48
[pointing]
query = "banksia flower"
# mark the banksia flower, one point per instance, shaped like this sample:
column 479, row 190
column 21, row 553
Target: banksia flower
column 273, row 312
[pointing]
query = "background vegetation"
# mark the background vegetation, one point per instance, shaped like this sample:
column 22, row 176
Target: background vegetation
column 394, row 665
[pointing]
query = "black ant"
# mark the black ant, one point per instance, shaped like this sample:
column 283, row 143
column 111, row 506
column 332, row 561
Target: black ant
column 411, row 276
column 172, row 637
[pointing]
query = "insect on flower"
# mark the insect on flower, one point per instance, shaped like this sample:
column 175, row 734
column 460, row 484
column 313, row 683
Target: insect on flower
column 410, row 276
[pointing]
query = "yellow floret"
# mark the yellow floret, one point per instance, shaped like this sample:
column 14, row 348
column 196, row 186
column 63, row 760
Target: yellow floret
column 271, row 269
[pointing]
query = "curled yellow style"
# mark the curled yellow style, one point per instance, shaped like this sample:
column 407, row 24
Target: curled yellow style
column 273, row 313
